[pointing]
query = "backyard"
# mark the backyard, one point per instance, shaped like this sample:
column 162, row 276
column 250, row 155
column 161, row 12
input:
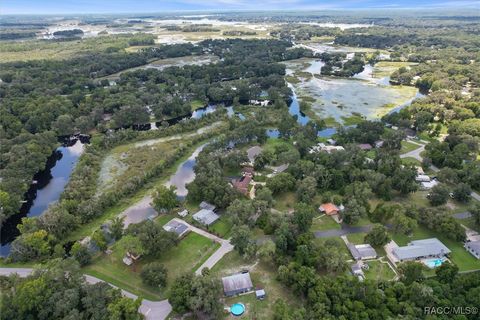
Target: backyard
column 190, row 253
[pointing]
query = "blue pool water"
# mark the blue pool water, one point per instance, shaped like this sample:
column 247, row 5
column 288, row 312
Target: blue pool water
column 237, row 309
column 433, row 263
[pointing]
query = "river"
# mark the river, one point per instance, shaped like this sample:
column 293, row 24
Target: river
column 50, row 184
column 185, row 174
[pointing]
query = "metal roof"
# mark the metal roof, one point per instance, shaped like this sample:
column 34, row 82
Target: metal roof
column 241, row 281
column 361, row 251
column 206, row 217
column 473, row 245
column 207, row 206
column 421, row 248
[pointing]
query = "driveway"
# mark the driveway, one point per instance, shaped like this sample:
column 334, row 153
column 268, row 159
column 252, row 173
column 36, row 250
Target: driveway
column 152, row 310
column 225, row 246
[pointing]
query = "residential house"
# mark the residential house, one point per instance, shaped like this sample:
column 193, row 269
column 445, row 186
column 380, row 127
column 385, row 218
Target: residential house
column 179, row 228
column 329, row 209
column 206, row 217
column 362, row 251
column 242, row 184
column 421, row 249
column 365, row 146
column 237, row 284
column 474, row 248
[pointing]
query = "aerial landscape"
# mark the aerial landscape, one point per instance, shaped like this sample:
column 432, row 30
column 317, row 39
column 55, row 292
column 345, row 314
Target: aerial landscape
column 230, row 159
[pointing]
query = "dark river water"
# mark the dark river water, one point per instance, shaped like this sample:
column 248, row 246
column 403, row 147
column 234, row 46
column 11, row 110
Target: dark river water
column 50, row 185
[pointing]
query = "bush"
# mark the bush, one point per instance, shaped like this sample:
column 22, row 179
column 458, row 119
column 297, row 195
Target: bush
column 154, row 274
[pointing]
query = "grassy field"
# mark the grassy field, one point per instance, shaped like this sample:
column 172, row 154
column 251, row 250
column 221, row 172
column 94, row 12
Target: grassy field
column 409, row 161
column 386, row 68
column 178, row 260
column 222, row 228
column 408, row 146
column 464, row 260
column 324, row 223
column 285, row 201
column 378, row 271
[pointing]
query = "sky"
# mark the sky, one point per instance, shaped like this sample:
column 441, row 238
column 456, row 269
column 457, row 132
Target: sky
column 158, row 6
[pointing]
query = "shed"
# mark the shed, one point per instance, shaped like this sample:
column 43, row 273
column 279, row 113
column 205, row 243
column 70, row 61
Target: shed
column 260, row 294
column 183, row 213
column 206, row 217
column 237, row 283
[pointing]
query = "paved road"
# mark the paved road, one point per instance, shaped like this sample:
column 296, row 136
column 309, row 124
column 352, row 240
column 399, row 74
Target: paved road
column 344, row 230
column 225, row 246
column 152, row 310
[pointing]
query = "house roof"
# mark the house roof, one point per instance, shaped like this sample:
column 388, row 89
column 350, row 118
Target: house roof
column 473, row 245
column 241, row 281
column 356, row 268
column 206, row 217
column 175, row 226
column 329, row 208
column 365, row 146
column 421, row 248
column 207, row 206
column 253, row 152
column 361, row 251
column 242, row 183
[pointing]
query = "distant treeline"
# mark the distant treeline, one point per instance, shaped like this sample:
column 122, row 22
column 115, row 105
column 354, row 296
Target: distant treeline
column 68, row 33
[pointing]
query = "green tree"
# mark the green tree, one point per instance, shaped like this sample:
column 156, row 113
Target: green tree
column 378, row 236
column 462, row 192
column 411, row 271
column 447, row 272
column 81, row 254
column 125, row 309
column 164, row 199
column 306, row 189
column 439, row 195
column 353, row 211
column 154, row 274
column 116, row 228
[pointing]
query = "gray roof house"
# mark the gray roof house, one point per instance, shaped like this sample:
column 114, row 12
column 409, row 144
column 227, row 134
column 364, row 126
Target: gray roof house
column 179, row 228
column 419, row 249
column 357, row 271
column 207, row 206
column 237, row 283
column 253, row 152
column 206, row 217
column 362, row 251
column 474, row 248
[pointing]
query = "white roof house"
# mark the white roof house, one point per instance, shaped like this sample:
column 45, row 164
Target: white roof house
column 419, row 249
column 429, row 184
column 474, row 248
column 422, row 178
column 206, row 217
column 323, row 147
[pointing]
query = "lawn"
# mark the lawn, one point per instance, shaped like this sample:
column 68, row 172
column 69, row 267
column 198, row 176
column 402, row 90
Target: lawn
column 356, row 238
column 408, row 146
column 263, row 275
column 192, row 250
column 222, row 227
column 464, row 260
column 378, row 271
column 324, row 223
column 409, row 161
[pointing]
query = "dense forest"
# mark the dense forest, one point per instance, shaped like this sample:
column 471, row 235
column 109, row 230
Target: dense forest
column 49, row 98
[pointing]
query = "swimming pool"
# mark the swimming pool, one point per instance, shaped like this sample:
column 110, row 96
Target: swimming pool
column 433, row 263
column 237, row 309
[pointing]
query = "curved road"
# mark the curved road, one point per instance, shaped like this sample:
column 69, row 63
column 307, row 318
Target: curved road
column 152, row 310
